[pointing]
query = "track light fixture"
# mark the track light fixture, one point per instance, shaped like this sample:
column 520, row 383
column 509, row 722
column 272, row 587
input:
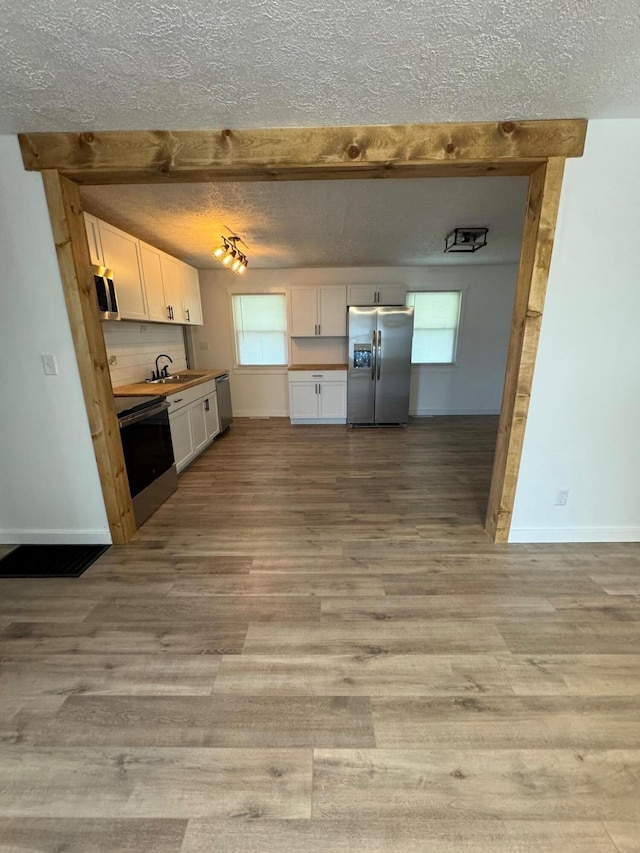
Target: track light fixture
column 230, row 255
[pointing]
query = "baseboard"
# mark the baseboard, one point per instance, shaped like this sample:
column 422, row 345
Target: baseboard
column 256, row 413
column 430, row 413
column 312, row 421
column 574, row 534
column 55, row 537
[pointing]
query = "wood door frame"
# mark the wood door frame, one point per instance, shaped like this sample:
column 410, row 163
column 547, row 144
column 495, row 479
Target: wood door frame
column 536, row 149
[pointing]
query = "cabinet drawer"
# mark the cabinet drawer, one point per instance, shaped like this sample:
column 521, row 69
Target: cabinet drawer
column 318, row 376
column 178, row 399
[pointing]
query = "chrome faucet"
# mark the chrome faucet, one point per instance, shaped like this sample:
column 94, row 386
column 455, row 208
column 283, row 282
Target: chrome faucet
column 161, row 373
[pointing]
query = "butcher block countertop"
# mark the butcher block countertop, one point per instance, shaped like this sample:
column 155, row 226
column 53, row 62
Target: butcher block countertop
column 318, row 366
column 192, row 377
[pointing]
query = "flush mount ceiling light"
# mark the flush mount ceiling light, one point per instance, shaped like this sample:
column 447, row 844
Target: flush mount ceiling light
column 466, row 239
column 230, row 255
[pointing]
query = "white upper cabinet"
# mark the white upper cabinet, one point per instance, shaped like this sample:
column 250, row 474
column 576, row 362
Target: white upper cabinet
column 157, row 305
column 332, row 311
column 304, row 312
column 191, row 303
column 377, row 294
column 172, row 280
column 150, row 284
column 318, row 312
column 121, row 253
column 93, row 238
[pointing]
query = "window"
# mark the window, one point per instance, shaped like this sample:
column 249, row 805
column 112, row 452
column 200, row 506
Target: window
column 261, row 328
column 435, row 326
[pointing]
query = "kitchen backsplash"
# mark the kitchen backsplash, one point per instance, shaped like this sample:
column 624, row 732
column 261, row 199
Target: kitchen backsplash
column 135, row 346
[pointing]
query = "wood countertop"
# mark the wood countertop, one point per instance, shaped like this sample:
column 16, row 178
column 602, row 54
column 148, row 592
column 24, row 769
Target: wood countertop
column 318, row 367
column 192, row 377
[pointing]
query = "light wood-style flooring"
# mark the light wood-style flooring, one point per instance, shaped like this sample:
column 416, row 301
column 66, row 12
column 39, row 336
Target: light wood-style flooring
column 313, row 647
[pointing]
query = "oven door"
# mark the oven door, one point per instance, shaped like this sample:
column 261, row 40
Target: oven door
column 146, row 441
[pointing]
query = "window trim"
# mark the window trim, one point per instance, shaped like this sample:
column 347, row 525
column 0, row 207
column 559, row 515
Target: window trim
column 257, row 368
column 462, row 290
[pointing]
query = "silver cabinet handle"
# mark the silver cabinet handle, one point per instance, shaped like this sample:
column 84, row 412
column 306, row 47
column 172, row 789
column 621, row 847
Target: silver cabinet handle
column 379, row 355
column 319, row 329
column 179, row 400
column 186, row 311
column 206, row 405
column 168, row 312
column 317, row 375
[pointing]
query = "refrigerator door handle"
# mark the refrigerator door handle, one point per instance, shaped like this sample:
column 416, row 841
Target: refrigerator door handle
column 373, row 355
column 379, row 354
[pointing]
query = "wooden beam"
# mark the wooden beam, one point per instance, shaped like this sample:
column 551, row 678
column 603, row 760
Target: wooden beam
column 302, row 153
column 65, row 211
column 535, row 258
column 239, row 174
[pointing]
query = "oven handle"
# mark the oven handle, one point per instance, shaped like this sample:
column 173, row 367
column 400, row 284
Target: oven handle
column 143, row 415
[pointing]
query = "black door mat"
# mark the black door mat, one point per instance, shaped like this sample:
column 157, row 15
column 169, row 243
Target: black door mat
column 49, row 561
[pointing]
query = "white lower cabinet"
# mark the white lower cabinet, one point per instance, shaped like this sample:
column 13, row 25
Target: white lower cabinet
column 211, row 419
column 333, row 400
column 198, row 426
column 181, row 437
column 303, row 400
column 318, row 396
column 193, row 417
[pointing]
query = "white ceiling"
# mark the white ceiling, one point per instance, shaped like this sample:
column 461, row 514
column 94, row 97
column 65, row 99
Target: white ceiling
column 321, row 223
column 180, row 64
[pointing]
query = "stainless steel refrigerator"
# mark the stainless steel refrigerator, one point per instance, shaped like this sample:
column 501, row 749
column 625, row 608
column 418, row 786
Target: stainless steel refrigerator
column 379, row 365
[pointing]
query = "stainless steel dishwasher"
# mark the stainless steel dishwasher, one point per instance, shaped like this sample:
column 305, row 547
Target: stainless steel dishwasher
column 223, row 393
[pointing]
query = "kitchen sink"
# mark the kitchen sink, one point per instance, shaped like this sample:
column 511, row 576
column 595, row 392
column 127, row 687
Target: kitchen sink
column 175, row 377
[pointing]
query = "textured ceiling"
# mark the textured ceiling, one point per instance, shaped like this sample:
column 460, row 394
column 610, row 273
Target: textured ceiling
column 321, row 223
column 88, row 64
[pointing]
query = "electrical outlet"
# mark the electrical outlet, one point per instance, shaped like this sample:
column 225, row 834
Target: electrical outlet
column 144, row 329
column 113, row 360
column 203, row 345
column 50, row 364
column 562, row 497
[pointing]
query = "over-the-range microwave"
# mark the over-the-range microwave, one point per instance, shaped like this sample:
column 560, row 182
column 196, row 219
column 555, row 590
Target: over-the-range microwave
column 106, row 293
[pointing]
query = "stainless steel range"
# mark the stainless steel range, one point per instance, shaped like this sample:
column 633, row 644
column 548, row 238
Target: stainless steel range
column 148, row 452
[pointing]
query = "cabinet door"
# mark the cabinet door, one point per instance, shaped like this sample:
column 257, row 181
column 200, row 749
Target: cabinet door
column 392, row 294
column 303, row 400
column 121, row 254
column 332, row 311
column 198, row 425
column 153, row 286
column 181, row 437
column 304, row 312
column 211, row 416
column 172, row 280
column 362, row 294
column 93, row 238
column 192, row 306
column 333, row 400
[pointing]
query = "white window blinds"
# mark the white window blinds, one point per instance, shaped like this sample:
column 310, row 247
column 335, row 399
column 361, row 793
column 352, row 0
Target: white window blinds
column 435, row 326
column 261, row 328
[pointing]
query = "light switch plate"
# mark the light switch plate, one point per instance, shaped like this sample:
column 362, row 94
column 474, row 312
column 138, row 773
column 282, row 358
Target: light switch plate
column 50, row 364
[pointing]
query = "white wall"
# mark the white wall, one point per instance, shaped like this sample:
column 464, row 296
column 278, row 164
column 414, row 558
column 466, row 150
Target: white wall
column 473, row 386
column 49, row 486
column 132, row 349
column 583, row 431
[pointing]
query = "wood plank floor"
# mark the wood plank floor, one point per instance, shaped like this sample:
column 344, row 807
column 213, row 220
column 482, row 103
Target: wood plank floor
column 313, row 647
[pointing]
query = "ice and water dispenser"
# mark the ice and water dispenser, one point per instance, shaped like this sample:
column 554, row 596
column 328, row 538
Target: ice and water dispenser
column 362, row 356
